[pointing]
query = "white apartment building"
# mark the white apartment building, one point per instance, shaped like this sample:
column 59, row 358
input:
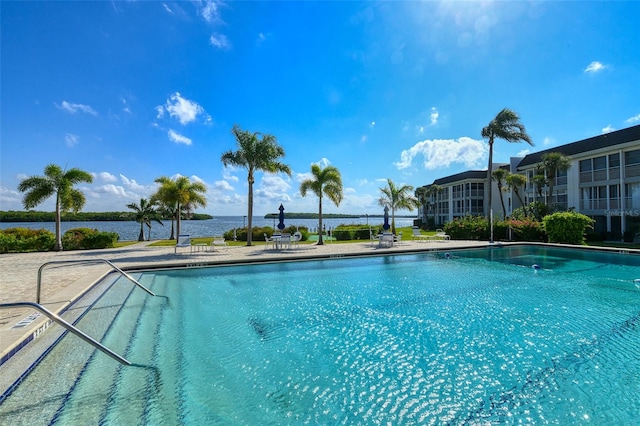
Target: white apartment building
column 602, row 182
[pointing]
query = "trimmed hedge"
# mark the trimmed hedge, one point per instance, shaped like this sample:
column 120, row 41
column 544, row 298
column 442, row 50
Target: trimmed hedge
column 567, row 227
column 87, row 238
column 258, row 233
column 477, row 228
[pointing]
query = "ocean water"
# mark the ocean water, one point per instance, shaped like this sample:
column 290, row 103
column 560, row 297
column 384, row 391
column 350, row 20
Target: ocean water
column 129, row 231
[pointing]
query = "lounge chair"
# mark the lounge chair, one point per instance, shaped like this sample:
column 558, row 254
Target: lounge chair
column 441, row 236
column 184, row 240
column 398, row 238
column 218, row 242
column 418, row 236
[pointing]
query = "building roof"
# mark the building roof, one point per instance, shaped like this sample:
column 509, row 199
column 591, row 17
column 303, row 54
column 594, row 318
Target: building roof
column 470, row 174
column 618, row 137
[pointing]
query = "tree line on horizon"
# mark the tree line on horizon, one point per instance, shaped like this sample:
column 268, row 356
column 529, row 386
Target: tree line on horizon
column 255, row 152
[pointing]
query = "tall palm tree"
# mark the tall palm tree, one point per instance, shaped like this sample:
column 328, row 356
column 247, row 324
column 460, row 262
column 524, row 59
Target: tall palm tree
column 499, row 176
column 554, row 162
column 255, row 154
column 506, row 125
column 432, row 192
column 397, row 198
column 180, row 192
column 515, row 181
column 327, row 181
column 145, row 213
column 59, row 183
column 422, row 195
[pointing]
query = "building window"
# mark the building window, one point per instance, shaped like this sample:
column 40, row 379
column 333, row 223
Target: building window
column 632, row 163
column 614, row 166
column 632, row 195
column 614, row 196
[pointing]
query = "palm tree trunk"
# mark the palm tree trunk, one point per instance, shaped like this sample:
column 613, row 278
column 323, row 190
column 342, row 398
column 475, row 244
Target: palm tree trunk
column 141, row 235
column 489, row 198
column 58, row 245
column 504, row 209
column 250, row 209
column 178, row 208
column 320, row 242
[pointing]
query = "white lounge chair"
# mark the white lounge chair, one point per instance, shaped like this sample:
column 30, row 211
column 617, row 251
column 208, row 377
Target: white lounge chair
column 218, row 242
column 441, row 236
column 184, row 240
column 417, row 235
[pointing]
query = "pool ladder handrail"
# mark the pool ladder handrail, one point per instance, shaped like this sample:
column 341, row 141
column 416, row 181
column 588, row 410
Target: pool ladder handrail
column 114, row 267
column 57, row 319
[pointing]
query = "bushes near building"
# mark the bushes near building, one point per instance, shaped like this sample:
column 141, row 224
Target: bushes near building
column 567, row 227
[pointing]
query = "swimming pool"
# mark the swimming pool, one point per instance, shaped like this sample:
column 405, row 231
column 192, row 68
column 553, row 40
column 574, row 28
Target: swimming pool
column 465, row 337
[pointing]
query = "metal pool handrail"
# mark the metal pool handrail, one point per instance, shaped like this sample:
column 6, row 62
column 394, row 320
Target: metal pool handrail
column 114, row 267
column 57, row 319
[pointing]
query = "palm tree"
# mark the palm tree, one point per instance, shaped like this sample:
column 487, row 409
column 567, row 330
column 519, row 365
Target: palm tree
column 539, row 181
column 180, row 192
column 499, row 176
column 515, row 181
column 327, row 181
column 255, row 155
column 59, row 182
column 422, row 195
column 506, row 125
column 554, row 162
column 397, row 198
column 145, row 213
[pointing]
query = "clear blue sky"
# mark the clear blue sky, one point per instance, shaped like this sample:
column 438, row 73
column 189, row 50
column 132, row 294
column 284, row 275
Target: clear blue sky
column 130, row 91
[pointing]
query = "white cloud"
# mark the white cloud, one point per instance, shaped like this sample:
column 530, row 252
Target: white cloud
column 73, row 108
column 440, row 153
column 220, row 41
column 633, row 119
column 210, row 11
column 608, row 129
column 594, row 66
column 434, row 116
column 274, row 183
column 132, row 185
column 548, row 141
column 184, row 110
column 71, row 140
column 301, row 177
column 226, row 173
column 523, row 153
column 167, row 8
column 107, row 177
column 178, row 138
column 222, row 185
column 111, row 189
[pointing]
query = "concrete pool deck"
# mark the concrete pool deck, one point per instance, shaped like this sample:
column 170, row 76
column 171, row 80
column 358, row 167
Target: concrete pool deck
column 64, row 282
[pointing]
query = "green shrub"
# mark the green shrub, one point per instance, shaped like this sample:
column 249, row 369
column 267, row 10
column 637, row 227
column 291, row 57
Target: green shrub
column 468, row 228
column 87, row 238
column 567, row 227
column 354, row 232
column 258, row 233
column 18, row 240
column 527, row 230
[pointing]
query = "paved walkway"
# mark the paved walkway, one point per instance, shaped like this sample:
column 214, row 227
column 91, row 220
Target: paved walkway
column 63, row 282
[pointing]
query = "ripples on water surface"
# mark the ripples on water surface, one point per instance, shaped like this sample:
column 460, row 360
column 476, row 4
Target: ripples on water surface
column 414, row 339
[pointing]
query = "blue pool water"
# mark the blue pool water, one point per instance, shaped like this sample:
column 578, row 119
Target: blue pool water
column 475, row 337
